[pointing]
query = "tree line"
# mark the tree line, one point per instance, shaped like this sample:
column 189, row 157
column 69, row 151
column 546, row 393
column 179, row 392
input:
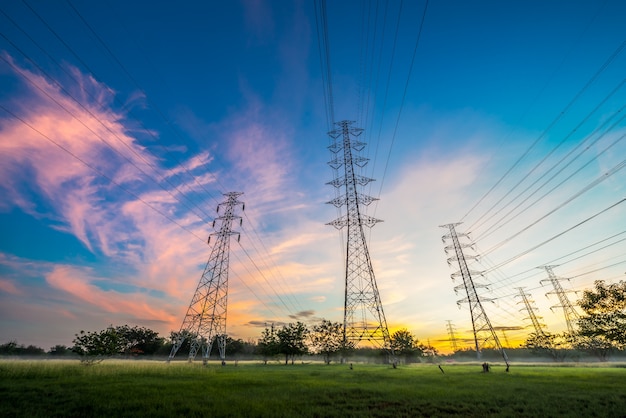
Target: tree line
column 601, row 332
column 289, row 341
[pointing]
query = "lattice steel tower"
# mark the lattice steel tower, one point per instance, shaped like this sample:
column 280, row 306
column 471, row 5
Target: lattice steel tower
column 206, row 316
column 453, row 343
column 483, row 331
column 364, row 318
column 568, row 309
column 530, row 308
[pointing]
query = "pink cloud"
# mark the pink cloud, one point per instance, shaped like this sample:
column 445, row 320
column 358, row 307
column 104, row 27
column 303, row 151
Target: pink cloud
column 8, row 286
column 55, row 133
column 160, row 256
column 78, row 283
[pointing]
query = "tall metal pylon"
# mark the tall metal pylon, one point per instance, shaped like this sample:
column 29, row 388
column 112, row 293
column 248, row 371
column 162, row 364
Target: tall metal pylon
column 206, row 316
column 364, row 318
column 483, row 330
column 453, row 343
column 568, row 309
column 530, row 309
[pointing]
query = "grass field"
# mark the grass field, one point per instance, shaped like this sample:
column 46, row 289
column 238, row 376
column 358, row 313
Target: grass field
column 156, row 389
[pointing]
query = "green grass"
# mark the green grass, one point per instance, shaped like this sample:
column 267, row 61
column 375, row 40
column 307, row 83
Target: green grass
column 140, row 388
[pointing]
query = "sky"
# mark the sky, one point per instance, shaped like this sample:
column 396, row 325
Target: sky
column 122, row 124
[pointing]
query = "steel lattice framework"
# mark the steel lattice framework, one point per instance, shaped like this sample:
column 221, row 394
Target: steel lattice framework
column 453, row 343
column 483, row 330
column 530, row 308
column 568, row 309
column 205, row 320
column 364, row 318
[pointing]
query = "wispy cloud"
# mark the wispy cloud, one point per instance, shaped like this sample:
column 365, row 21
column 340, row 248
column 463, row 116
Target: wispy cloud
column 155, row 236
column 8, row 286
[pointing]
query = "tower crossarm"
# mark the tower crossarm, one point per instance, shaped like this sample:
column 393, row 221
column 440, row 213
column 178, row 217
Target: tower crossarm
column 449, row 248
column 451, row 260
column 345, row 220
column 343, row 200
column 356, row 178
column 458, row 274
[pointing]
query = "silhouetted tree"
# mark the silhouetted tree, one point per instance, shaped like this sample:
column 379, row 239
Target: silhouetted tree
column 125, row 340
column 9, row 349
column 12, row 348
column 139, row 340
column 327, row 339
column 554, row 345
column 406, row 345
column 268, row 345
column 95, row 346
column 292, row 340
column 602, row 328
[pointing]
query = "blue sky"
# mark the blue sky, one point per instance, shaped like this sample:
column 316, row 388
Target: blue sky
column 122, row 123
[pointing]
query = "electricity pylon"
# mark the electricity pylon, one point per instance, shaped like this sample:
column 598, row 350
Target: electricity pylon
column 206, row 316
column 504, row 329
column 568, row 309
column 483, row 331
column 453, row 342
column 364, row 318
column 530, row 308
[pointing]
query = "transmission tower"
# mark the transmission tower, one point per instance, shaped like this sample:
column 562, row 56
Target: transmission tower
column 504, row 329
column 453, row 342
column 483, row 331
column 568, row 309
column 205, row 320
column 364, row 318
column 530, row 308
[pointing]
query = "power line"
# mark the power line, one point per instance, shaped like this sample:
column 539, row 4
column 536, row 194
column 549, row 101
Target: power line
column 557, row 235
column 585, row 189
column 384, row 108
column 406, row 87
column 507, row 281
column 321, row 19
column 536, row 98
column 494, row 226
column 545, row 132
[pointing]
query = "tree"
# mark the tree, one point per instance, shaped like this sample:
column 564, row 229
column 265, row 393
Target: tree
column 95, row 346
column 125, row 340
column 292, row 340
column 604, row 324
column 327, row 339
column 10, row 348
column 554, row 345
column 405, row 344
column 268, row 345
column 15, row 349
column 597, row 346
column 139, row 340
